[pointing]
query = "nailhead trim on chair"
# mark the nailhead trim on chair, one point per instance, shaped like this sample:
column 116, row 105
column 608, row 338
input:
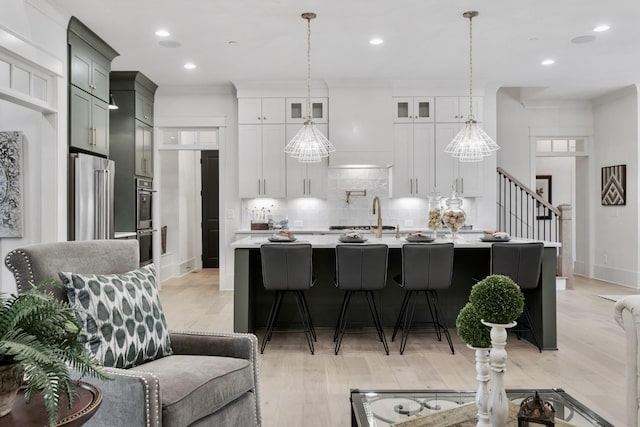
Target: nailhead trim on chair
column 251, row 359
column 147, row 395
column 13, row 269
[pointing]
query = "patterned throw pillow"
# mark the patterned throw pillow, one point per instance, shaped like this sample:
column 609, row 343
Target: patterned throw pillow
column 121, row 314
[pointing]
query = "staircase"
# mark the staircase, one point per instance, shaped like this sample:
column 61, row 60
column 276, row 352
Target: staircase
column 523, row 213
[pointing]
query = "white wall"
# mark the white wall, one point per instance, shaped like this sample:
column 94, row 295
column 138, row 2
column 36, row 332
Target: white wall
column 562, row 171
column 518, row 121
column 169, row 212
column 615, row 228
column 41, row 40
column 187, row 213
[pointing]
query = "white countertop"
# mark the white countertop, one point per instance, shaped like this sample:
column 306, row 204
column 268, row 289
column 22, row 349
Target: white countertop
column 469, row 240
column 306, row 231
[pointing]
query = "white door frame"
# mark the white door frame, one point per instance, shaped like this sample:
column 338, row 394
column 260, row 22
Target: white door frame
column 189, row 123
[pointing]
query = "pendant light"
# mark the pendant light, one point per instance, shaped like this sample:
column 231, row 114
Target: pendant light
column 471, row 144
column 309, row 145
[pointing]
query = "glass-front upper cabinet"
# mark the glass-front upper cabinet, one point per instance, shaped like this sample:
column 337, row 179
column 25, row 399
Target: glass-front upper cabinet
column 297, row 110
column 413, row 109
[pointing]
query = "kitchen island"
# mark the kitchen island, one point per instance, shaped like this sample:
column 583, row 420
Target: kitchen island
column 471, row 263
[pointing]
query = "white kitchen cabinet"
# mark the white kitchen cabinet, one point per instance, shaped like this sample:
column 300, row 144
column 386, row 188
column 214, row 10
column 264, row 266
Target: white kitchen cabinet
column 261, row 161
column 413, row 109
column 413, row 159
column 306, row 179
column 297, row 110
column 261, row 110
column 455, row 109
column 450, row 173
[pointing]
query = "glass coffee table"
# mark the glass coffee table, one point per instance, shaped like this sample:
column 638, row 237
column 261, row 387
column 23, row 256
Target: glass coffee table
column 373, row 408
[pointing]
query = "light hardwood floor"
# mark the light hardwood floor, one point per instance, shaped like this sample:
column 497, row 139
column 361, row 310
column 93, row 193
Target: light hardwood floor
column 300, row 389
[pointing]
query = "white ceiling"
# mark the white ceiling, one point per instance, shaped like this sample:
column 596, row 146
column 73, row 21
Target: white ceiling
column 423, row 40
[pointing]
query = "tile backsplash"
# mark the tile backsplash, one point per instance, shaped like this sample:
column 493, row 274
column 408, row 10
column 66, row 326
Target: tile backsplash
column 310, row 213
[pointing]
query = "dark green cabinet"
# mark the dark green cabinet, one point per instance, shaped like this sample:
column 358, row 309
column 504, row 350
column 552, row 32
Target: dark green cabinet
column 131, row 140
column 144, row 109
column 89, row 66
column 144, row 150
column 89, row 122
column 89, row 70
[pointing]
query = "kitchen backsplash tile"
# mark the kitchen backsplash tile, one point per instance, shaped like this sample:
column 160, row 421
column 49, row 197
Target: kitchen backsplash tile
column 319, row 213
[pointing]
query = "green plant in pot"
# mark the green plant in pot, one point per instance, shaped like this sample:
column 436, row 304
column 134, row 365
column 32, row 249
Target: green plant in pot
column 40, row 341
column 471, row 329
column 497, row 299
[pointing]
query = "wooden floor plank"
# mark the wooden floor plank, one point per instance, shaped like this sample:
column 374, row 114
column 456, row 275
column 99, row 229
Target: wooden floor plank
column 298, row 388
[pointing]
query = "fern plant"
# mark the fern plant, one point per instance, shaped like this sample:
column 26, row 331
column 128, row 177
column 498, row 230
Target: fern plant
column 42, row 335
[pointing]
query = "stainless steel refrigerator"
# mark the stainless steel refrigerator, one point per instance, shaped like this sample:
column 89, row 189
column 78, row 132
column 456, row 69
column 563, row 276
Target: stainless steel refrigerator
column 91, row 186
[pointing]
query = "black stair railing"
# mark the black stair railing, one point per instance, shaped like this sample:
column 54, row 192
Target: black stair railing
column 523, row 213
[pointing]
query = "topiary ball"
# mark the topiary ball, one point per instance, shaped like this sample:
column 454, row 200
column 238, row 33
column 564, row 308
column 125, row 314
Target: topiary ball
column 471, row 330
column 497, row 299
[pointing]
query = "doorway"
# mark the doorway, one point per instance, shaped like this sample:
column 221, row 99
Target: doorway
column 566, row 160
column 187, row 178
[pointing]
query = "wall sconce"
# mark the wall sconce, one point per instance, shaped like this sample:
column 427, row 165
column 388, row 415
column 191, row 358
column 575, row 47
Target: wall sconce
column 112, row 103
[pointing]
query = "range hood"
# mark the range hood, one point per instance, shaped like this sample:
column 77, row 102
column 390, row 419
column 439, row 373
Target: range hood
column 360, row 125
column 361, row 159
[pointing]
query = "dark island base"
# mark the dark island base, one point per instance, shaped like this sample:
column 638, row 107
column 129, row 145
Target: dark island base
column 252, row 301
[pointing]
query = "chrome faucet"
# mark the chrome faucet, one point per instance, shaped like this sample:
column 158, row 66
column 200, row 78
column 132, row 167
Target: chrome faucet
column 379, row 229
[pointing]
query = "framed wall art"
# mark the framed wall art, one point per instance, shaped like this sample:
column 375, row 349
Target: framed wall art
column 11, row 147
column 543, row 189
column 614, row 185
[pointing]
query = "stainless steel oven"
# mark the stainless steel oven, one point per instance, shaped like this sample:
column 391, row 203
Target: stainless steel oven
column 145, row 242
column 144, row 203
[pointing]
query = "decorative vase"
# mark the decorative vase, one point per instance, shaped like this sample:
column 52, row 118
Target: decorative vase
column 435, row 212
column 482, row 394
column 453, row 216
column 11, row 377
column 498, row 403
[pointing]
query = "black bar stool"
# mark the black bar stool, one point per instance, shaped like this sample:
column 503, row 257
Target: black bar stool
column 521, row 262
column 425, row 268
column 287, row 267
column 360, row 268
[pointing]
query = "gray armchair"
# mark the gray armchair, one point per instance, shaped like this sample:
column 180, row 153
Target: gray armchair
column 184, row 389
column 627, row 314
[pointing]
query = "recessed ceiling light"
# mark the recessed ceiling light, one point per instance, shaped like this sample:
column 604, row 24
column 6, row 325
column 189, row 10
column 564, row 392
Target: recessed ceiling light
column 163, row 33
column 189, row 65
column 376, row 41
column 548, row 62
column 601, row 28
